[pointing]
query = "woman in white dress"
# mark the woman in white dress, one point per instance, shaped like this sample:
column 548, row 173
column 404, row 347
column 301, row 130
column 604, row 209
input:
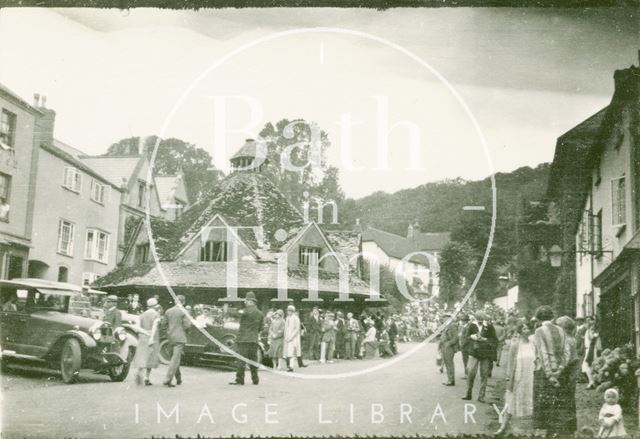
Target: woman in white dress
column 148, row 350
column 519, row 395
column 291, row 348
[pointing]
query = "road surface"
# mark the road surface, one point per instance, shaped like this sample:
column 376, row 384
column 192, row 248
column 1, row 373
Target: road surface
column 405, row 398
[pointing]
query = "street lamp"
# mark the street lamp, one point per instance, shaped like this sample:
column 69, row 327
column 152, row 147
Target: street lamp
column 555, row 256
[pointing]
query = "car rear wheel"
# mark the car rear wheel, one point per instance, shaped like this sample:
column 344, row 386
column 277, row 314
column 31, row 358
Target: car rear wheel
column 119, row 373
column 70, row 360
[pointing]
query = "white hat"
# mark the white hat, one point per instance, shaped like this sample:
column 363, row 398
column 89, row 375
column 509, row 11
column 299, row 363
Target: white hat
column 291, row 308
column 152, row 302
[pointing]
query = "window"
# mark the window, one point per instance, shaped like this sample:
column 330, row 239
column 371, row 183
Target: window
column 5, row 192
column 597, row 234
column 98, row 191
column 583, row 233
column 142, row 193
column 309, row 255
column 65, row 237
column 63, row 274
column 142, row 253
column 72, row 179
column 214, row 251
column 7, row 129
column 89, row 278
column 618, row 200
column 97, row 245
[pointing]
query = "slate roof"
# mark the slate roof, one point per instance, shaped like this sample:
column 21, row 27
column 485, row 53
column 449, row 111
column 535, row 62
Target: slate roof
column 398, row 247
column 63, row 152
column 115, row 169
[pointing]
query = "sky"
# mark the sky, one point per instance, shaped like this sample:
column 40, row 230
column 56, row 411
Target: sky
column 399, row 92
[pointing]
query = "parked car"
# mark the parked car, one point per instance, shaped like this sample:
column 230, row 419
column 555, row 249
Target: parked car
column 50, row 324
column 201, row 349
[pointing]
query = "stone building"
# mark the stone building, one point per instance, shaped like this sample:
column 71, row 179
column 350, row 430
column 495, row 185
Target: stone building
column 20, row 134
column 242, row 235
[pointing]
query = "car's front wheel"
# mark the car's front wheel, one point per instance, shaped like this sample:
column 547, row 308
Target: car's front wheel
column 70, row 360
column 119, row 373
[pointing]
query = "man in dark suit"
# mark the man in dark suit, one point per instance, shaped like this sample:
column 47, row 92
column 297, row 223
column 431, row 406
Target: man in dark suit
column 314, row 333
column 177, row 322
column 247, row 341
column 481, row 354
column 449, row 343
column 112, row 314
column 393, row 334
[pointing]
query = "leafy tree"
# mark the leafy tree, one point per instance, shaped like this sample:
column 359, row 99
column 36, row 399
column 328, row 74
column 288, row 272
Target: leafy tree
column 389, row 286
column 457, row 268
column 296, row 153
column 173, row 155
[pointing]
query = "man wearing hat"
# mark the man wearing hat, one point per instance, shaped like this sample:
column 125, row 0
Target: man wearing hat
column 482, row 353
column 177, row 323
column 251, row 320
column 449, row 344
column 112, row 313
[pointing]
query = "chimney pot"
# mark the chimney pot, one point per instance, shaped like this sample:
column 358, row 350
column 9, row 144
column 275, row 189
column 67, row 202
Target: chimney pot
column 36, row 100
column 43, row 102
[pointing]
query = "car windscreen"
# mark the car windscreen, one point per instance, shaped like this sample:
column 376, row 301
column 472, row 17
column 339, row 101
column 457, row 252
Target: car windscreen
column 50, row 300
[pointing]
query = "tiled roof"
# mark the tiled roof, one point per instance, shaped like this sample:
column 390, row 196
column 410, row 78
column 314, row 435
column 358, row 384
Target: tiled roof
column 115, row 169
column 251, row 275
column 61, row 151
column 398, row 247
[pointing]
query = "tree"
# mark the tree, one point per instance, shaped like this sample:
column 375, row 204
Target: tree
column 173, row 156
column 457, row 267
column 389, row 286
column 296, row 154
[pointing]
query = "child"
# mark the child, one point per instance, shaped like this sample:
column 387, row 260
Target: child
column 610, row 418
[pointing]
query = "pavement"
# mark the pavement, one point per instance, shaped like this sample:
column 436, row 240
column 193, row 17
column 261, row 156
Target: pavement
column 404, row 398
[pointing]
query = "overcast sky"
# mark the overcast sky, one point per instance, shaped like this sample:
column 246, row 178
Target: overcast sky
column 527, row 75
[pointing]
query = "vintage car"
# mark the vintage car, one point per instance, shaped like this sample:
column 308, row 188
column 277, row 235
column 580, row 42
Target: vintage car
column 221, row 326
column 50, row 324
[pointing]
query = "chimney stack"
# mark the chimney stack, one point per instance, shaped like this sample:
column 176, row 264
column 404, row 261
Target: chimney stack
column 45, row 123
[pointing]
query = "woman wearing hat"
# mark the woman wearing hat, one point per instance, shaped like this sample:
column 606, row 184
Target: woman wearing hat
column 147, row 353
column 276, row 338
column 291, row 347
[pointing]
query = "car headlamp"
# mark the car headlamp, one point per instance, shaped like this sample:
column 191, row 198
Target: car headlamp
column 96, row 332
column 120, row 334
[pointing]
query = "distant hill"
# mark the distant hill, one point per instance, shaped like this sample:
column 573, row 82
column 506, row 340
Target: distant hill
column 437, row 207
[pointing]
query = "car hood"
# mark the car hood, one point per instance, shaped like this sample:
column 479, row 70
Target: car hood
column 65, row 319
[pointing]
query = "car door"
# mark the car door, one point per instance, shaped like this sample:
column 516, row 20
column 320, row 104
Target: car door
column 13, row 325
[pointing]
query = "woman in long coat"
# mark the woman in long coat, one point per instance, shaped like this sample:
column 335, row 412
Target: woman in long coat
column 276, row 336
column 148, row 350
column 291, row 348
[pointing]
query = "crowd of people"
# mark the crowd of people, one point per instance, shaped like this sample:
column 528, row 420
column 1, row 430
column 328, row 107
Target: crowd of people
column 545, row 358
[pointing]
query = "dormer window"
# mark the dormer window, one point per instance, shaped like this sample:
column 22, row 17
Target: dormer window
column 214, row 251
column 308, row 255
